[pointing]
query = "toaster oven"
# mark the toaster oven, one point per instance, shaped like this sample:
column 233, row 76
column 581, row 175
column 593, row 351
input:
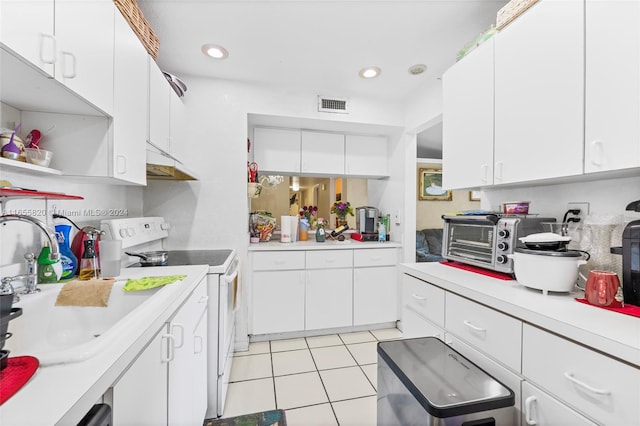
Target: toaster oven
column 486, row 240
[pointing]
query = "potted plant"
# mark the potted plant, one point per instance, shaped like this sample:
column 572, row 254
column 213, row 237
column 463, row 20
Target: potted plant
column 341, row 209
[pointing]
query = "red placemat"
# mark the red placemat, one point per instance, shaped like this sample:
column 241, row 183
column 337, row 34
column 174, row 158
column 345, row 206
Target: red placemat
column 477, row 270
column 616, row 307
column 17, row 372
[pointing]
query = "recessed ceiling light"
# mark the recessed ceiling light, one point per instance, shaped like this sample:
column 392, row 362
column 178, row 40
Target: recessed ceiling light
column 215, row 51
column 417, row 69
column 369, row 72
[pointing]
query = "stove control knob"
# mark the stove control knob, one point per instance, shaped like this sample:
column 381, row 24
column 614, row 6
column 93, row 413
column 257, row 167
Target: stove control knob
column 502, row 259
column 123, row 233
column 502, row 246
column 503, row 233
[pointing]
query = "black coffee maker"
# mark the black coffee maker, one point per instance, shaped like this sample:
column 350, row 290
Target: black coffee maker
column 630, row 252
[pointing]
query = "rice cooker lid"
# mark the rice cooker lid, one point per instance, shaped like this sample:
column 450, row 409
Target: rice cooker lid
column 554, row 253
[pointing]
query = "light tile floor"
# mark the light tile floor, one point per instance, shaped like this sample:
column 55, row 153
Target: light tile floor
column 322, row 380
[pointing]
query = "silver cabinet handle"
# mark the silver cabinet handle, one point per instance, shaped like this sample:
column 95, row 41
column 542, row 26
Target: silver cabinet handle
column 47, row 59
column 416, row 296
column 174, row 327
column 596, row 152
column 527, row 410
column 569, row 376
column 474, row 327
column 171, row 341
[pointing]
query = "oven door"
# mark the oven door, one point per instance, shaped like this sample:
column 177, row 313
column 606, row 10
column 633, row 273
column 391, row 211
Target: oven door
column 229, row 303
column 470, row 240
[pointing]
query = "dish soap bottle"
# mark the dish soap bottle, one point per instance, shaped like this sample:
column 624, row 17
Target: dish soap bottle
column 68, row 259
column 89, row 264
column 46, row 271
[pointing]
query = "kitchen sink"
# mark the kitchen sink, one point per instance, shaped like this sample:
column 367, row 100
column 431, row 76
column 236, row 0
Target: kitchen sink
column 66, row 334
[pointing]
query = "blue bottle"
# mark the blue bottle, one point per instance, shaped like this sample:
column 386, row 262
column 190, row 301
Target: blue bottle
column 68, row 259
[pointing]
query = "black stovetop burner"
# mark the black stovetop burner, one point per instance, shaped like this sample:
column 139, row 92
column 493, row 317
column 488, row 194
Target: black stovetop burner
column 193, row 257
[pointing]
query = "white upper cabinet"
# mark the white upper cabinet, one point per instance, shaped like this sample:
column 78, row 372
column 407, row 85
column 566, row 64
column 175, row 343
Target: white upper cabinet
column 84, row 32
column 322, row 153
column 366, row 155
column 539, row 86
column 612, row 126
column 277, row 150
column 130, row 105
column 178, row 124
column 159, row 108
column 26, row 27
column 467, row 126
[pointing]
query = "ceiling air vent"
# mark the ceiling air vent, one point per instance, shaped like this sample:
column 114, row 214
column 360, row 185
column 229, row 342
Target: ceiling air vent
column 332, row 105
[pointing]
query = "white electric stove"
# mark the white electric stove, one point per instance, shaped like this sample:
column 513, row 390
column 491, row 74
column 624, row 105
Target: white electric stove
column 149, row 234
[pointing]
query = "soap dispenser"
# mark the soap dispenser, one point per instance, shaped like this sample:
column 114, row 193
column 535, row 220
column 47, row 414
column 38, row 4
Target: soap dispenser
column 46, row 270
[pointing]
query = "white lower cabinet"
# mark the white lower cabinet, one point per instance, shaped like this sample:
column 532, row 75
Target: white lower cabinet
column 166, row 384
column 140, row 396
column 278, row 301
column 188, row 362
column 328, row 299
column 540, row 408
column 608, row 393
column 322, row 289
column 414, row 324
column 422, row 308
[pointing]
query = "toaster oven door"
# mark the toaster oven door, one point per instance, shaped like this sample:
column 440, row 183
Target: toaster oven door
column 470, row 241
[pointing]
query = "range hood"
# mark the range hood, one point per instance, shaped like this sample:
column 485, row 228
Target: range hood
column 163, row 166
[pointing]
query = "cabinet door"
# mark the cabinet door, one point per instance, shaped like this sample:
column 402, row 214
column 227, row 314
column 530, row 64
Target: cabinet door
column 140, row 396
column 322, row 153
column 540, row 408
column 414, row 324
column 26, row 27
column 539, row 94
column 177, row 131
column 84, row 32
column 422, row 299
column 612, row 125
column 375, row 295
column 467, row 120
column 184, row 366
column 366, row 156
column 159, row 108
column 278, row 301
column 328, row 301
column 276, row 150
column 199, row 378
column 130, row 104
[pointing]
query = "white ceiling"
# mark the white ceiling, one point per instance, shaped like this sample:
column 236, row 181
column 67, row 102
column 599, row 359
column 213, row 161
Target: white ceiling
column 318, row 45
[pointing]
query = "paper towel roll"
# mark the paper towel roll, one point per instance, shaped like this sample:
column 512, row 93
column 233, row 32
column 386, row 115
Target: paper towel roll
column 285, row 229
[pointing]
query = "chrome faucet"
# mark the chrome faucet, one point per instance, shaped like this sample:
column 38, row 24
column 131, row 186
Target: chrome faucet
column 31, row 286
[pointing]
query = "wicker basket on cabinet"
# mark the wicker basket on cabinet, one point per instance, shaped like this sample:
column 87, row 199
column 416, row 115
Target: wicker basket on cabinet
column 132, row 13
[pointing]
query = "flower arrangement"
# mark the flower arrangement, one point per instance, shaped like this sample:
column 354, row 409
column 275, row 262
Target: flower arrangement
column 322, row 222
column 308, row 214
column 342, row 209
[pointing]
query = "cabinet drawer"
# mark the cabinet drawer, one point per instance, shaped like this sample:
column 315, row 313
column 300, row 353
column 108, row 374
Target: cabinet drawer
column 493, row 332
column 601, row 387
column 416, row 325
column 423, row 299
column 278, row 260
column 543, row 409
column 321, row 259
column 375, row 257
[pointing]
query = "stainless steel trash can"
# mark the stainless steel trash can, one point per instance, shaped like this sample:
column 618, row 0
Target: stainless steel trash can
column 425, row 382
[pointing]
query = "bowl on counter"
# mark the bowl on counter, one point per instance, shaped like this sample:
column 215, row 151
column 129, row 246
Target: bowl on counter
column 39, row 157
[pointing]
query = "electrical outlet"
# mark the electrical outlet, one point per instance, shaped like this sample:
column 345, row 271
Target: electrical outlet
column 582, row 206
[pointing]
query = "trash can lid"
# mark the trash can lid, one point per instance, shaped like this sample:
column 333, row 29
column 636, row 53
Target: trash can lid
column 443, row 381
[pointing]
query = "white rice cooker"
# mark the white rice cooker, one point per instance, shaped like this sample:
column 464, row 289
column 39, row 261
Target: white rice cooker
column 553, row 269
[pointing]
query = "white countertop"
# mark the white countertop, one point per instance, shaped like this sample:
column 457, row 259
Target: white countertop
column 327, row 245
column 613, row 333
column 62, row 394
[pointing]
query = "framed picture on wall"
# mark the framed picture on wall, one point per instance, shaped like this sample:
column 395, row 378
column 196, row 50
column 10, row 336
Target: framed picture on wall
column 430, row 186
column 474, row 195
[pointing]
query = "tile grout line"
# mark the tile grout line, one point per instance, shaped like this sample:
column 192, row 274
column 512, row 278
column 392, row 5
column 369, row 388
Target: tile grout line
column 335, row 416
column 273, row 378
